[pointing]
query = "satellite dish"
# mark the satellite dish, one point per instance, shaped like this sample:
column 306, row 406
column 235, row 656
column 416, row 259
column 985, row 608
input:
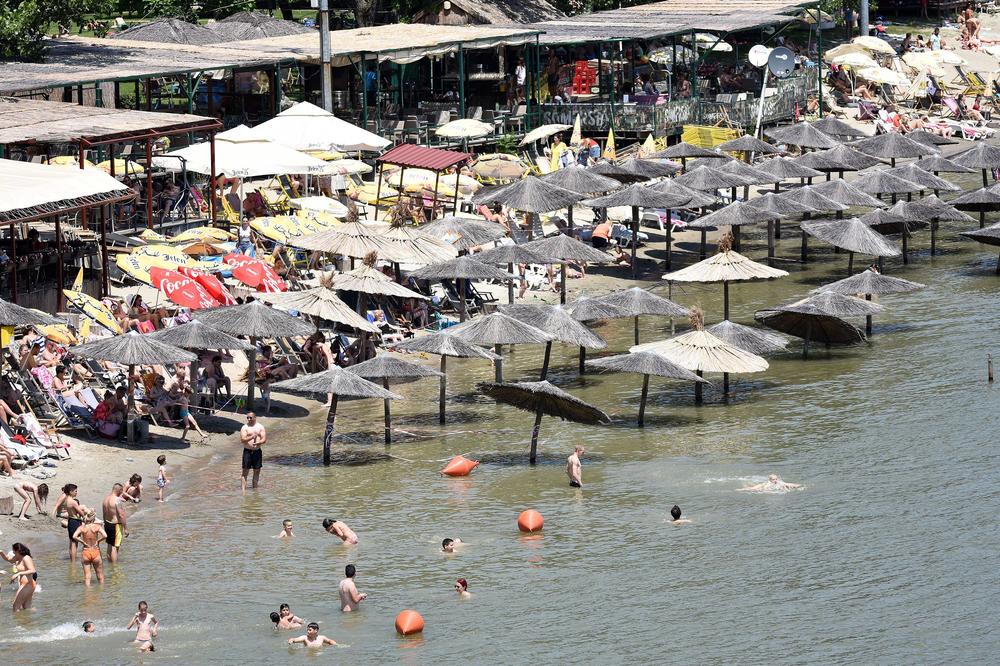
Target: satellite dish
column 781, row 62
column 758, row 55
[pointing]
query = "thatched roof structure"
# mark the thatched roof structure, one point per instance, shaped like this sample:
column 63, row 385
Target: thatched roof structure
column 881, row 181
column 644, row 363
column 255, row 319
column 351, row 239
column 502, row 12
column 738, row 213
column 499, row 329
column 981, row 200
column 196, row 334
column 987, row 236
column 893, row 146
column 707, row 179
column 513, row 254
column 938, row 164
column 836, row 128
column 545, row 398
column 649, row 168
column 566, row 248
column 243, row 26
column 636, row 301
column 786, row 167
column 728, row 266
column 366, row 279
column 840, row 305
column 322, row 302
column 463, row 267
column 809, row 196
column 587, row 308
column 557, row 322
column 871, row 282
column 463, row 232
column 387, row 366
column 170, row 31
column 699, row 350
column 611, row 170
column 338, row 381
column 578, row 179
column 754, row 340
column 642, row 195
column 686, row 151
column 132, row 349
column 747, row 143
column 915, row 174
column 777, row 207
column 845, row 193
column 980, row 156
column 531, row 195
column 804, row 135
column 695, row 198
column 925, row 137
column 12, row 314
column 750, row 174
column 444, row 344
column 852, row 235
column 807, row 321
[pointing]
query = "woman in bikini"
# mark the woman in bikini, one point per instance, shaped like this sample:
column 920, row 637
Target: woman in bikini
column 29, row 491
column 24, row 574
column 75, row 513
column 91, row 535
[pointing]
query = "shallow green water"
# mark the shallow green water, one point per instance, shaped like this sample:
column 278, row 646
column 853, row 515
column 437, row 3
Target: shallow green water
column 889, row 554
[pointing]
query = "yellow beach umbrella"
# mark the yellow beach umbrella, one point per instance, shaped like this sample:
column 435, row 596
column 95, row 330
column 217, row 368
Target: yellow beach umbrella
column 78, row 282
column 151, row 236
column 347, row 167
column 365, row 193
column 325, row 155
column 70, row 161
column 272, row 228
column 84, row 330
column 92, row 308
column 165, row 252
column 874, row 44
column 648, row 146
column 203, row 234
column 137, row 266
column 122, row 167
column 609, row 147
column 59, row 333
column 306, row 223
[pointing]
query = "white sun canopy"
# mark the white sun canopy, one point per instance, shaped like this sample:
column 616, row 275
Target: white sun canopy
column 305, row 126
column 28, row 189
column 240, row 154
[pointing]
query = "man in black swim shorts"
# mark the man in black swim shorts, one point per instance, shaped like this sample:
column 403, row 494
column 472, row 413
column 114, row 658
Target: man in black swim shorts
column 253, row 436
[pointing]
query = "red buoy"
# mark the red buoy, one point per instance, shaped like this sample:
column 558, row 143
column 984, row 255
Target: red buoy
column 459, row 466
column 530, row 521
column 409, row 622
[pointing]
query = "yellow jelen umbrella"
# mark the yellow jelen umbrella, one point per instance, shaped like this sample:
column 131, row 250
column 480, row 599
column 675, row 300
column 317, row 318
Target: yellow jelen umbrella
column 325, row 155
column 202, row 234
column 71, row 161
column 78, row 282
column 165, row 252
column 137, row 265
column 271, row 228
column 609, row 147
column 122, row 167
column 92, row 308
column 58, row 333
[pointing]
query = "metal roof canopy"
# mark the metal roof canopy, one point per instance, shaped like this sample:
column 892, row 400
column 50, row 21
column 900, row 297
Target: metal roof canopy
column 422, row 157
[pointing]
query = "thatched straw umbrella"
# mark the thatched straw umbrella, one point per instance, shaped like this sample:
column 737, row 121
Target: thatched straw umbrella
column 411, row 245
column 368, row 281
column 339, row 383
column 637, row 196
column 496, row 329
column 809, row 196
column 809, row 322
column 754, row 340
column 637, row 301
column 777, row 208
column 937, row 164
column 735, row 215
column 557, row 322
column 896, row 220
column 464, row 233
column 197, row 335
column 583, row 181
column 845, row 193
column 803, row 135
column 925, row 137
column 987, row 236
column 708, row 179
column 840, row 159
column 980, row 201
column 611, row 170
column 588, row 309
column 841, row 305
column 645, row 364
column 511, row 255
column 321, row 302
column 852, row 235
column 386, row 367
column 256, row 321
column 938, row 211
column 751, row 176
column 461, row 269
column 543, row 398
column 782, row 168
column 837, row 129
column 914, row 173
column 684, row 151
column 696, row 198
column 561, row 248
column 649, row 168
column 748, row 144
column 894, row 146
column 444, row 345
column 132, row 349
column 869, row 282
column 981, row 156
column 12, row 314
column 351, row 239
column 532, row 195
column 701, row 352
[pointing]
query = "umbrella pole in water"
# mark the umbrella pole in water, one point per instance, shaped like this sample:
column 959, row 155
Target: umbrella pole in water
column 982, row 217
column 642, row 400
column 498, row 374
column 635, row 240
column 934, row 225
column 725, row 384
column 583, row 358
column 697, row 389
column 461, row 299
column 669, row 241
column 545, row 361
column 906, row 232
column 635, row 326
column 388, row 413
column 562, row 283
column 533, row 456
column 725, row 301
column 770, row 239
column 805, row 341
column 850, row 264
column 510, row 285
column 704, row 242
column 735, row 231
column 868, row 318
column 251, row 372
column 331, row 419
column 444, row 386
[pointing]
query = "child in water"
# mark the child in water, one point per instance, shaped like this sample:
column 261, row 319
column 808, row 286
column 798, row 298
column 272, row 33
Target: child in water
column 161, row 477
column 286, row 529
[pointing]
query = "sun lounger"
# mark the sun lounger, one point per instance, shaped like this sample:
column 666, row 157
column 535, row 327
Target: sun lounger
column 47, row 438
column 27, row 453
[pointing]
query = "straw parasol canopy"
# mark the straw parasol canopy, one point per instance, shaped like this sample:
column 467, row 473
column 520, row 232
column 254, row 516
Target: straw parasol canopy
column 914, row 173
column 649, row 168
column 811, row 197
column 987, row 236
column 807, row 321
column 927, row 138
column 942, row 210
column 750, row 174
column 132, row 349
column 845, row 154
column 686, row 151
column 366, row 279
column 870, row 282
column 845, row 193
column 803, row 135
column 339, row 383
column 562, row 249
column 852, row 235
column 444, row 345
column 386, row 367
column 937, row 164
column 543, row 398
column 611, row 170
column 15, row 315
column 461, row 269
column 894, row 146
column 557, row 322
column 645, row 364
column 587, row 308
column 464, row 233
column 701, row 352
column 981, row 156
column 511, row 254
column 351, row 239
column 981, row 201
column 777, row 206
column 196, row 334
column 735, row 215
column 836, row 128
column 754, row 340
column 842, row 305
column 883, row 181
column 695, row 198
column 819, row 160
column 785, row 167
column 532, row 195
column 583, row 181
column 322, row 302
column 707, row 179
column 636, row 301
column 747, row 143
column 498, row 329
column 409, row 245
column 887, row 220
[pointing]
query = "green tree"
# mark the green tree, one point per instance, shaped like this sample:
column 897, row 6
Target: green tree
column 23, row 23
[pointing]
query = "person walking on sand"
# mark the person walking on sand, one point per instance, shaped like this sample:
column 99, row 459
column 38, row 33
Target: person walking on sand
column 349, row 596
column 29, row 491
column 145, row 624
column 74, row 514
column 25, row 575
column 312, row 638
column 340, row 529
column 114, row 521
column 161, row 477
column 91, row 535
column 252, row 436
column 574, row 469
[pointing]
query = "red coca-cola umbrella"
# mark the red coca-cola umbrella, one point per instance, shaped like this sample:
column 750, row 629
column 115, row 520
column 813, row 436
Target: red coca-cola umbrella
column 212, row 284
column 181, row 289
column 255, row 273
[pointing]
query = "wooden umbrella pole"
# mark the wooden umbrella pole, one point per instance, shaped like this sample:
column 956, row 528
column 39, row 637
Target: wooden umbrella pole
column 805, row 341
column 562, row 283
column 444, row 387
column 704, row 243
column 868, row 318
column 669, row 241
column 545, row 360
column 982, row 219
column 805, row 246
column 510, row 285
column 906, row 257
column 251, row 372
column 725, row 384
column 635, row 327
column 461, row 299
column 388, row 414
column 583, row 359
column 635, row 240
column 533, row 456
column 850, row 264
column 331, row 419
column 934, row 225
column 642, row 399
column 498, row 374
column 770, row 239
column 735, row 229
column 697, row 390
column 131, row 389
column 725, row 301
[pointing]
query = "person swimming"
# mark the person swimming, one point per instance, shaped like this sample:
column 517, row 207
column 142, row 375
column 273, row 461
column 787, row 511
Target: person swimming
column 675, row 516
column 462, row 587
column 340, row 529
column 88, row 627
column 449, row 545
column 286, row 529
column 284, row 622
column 312, row 638
column 774, row 484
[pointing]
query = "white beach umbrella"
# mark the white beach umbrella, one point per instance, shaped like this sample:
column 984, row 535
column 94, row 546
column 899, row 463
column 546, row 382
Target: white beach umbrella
column 874, row 44
column 543, row 132
column 883, row 75
column 464, row 128
column 240, row 154
column 305, row 126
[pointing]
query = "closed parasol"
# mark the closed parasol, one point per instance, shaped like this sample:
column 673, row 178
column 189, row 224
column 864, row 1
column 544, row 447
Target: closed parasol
column 645, row 364
column 386, row 367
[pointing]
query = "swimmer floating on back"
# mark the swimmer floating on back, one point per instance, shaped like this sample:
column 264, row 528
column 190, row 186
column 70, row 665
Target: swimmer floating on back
column 774, row 484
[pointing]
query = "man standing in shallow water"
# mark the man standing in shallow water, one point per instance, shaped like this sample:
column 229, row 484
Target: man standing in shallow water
column 349, row 596
column 340, row 529
column 114, row 521
column 574, row 469
column 252, row 436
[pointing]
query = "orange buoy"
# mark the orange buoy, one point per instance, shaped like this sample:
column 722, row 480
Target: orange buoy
column 409, row 622
column 459, row 466
column 530, row 521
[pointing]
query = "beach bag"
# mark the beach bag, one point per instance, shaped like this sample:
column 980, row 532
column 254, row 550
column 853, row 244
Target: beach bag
column 108, row 430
